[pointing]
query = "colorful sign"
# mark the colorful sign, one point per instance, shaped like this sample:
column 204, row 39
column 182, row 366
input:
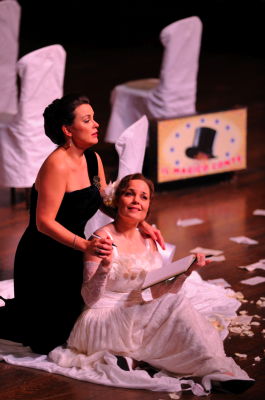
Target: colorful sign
column 201, row 144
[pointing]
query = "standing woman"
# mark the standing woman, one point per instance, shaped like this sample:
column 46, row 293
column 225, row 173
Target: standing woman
column 49, row 258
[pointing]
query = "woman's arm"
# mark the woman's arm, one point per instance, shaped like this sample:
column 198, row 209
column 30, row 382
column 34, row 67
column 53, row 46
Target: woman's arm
column 51, row 186
column 94, row 280
column 96, row 269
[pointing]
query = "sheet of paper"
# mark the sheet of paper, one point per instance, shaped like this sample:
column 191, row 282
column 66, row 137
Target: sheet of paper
column 167, row 271
column 259, row 212
column 206, row 251
column 219, row 282
column 257, row 265
column 253, row 281
column 217, row 258
column 243, row 239
column 189, row 222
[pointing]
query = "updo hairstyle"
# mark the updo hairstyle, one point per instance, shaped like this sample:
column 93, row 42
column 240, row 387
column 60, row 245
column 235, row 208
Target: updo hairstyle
column 124, row 183
column 61, row 112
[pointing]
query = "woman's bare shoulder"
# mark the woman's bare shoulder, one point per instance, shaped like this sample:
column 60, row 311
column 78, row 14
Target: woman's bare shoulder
column 105, row 230
column 54, row 165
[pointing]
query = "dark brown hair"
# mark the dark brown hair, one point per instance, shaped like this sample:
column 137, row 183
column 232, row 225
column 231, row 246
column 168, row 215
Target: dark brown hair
column 61, row 112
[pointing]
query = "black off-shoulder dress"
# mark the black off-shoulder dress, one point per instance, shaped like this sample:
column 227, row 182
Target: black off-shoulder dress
column 48, row 274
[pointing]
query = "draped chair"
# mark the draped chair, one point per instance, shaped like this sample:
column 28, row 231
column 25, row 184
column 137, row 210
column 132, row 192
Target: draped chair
column 131, row 150
column 10, row 12
column 170, row 96
column 23, row 143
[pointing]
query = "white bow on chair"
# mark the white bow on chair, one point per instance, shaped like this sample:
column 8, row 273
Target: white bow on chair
column 131, row 149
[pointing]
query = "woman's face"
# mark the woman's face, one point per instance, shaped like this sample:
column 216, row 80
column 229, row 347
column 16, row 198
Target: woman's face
column 84, row 128
column 135, row 201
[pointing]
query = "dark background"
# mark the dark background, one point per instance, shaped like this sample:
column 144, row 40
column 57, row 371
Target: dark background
column 229, row 25
column 112, row 42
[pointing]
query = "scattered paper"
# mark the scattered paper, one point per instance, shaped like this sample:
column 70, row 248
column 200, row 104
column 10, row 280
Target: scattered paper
column 259, row 212
column 206, row 251
column 243, row 356
column 260, row 303
column 174, row 396
column 257, row 265
column 243, row 239
column 219, row 282
column 241, row 325
column 243, row 319
column 189, row 221
column 253, row 281
column 217, row 258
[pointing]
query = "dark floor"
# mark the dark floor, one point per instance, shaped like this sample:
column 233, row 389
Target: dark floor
column 225, row 81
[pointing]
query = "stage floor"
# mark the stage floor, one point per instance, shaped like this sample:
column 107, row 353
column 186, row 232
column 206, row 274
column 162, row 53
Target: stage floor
column 226, row 206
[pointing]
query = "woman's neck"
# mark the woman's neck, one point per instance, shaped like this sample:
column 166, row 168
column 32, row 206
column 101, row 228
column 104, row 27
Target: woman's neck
column 125, row 228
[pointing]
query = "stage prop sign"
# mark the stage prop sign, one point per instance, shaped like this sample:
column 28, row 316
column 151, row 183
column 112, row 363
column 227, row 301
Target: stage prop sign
column 199, row 145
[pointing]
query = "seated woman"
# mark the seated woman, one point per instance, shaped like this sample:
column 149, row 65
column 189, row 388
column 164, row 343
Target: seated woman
column 163, row 331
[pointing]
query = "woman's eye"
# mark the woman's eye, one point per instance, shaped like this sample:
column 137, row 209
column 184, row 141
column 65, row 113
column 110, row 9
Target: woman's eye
column 128, row 193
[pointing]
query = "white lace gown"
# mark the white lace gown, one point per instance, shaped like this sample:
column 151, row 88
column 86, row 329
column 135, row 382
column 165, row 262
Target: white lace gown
column 169, row 332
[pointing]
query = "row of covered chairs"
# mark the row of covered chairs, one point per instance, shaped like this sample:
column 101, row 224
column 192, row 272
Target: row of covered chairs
column 173, row 94
column 23, row 145
column 27, row 86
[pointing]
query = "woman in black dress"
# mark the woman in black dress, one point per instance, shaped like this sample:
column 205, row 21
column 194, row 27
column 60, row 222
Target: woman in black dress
column 49, row 258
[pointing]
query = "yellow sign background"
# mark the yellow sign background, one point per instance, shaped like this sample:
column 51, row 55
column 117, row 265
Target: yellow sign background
column 176, row 135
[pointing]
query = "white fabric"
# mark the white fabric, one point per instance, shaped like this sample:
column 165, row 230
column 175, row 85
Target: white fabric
column 169, row 333
column 9, row 33
column 170, row 96
column 23, row 143
column 131, row 146
column 94, row 281
column 211, row 300
column 131, row 150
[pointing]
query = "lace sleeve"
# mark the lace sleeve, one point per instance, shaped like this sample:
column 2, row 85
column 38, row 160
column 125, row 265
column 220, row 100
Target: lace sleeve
column 94, row 281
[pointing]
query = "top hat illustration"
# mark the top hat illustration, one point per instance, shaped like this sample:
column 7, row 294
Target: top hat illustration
column 203, row 142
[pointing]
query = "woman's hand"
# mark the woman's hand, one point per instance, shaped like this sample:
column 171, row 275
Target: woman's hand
column 201, row 261
column 153, row 232
column 174, row 285
column 99, row 247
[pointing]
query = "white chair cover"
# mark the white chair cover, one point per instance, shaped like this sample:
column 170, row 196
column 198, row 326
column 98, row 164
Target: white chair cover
column 24, row 145
column 9, row 33
column 171, row 96
column 131, row 149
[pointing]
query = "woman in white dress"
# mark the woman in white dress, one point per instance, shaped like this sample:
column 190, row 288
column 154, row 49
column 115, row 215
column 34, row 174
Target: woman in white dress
column 157, row 328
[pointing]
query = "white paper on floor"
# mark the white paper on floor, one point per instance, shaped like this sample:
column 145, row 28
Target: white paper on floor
column 217, row 258
column 259, row 212
column 219, row 282
column 243, row 239
column 206, row 251
column 251, row 267
column 253, row 281
column 189, row 221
